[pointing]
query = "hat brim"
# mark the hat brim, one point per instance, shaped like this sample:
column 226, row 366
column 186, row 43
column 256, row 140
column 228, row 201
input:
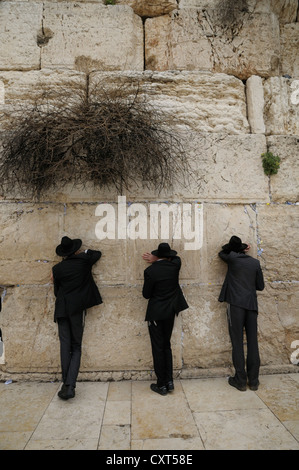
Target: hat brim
column 169, row 254
column 75, row 247
column 228, row 247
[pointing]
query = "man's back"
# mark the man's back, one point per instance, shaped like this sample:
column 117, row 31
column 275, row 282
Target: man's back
column 244, row 277
column 161, row 278
column 74, row 286
column 161, row 287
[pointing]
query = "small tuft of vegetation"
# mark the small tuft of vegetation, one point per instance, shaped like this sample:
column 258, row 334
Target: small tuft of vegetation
column 271, row 163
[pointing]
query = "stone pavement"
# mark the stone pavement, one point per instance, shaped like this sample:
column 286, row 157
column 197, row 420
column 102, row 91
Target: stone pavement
column 200, row 414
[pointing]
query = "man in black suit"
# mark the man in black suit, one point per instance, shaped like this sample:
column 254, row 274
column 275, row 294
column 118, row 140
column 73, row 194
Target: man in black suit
column 75, row 291
column 244, row 277
column 166, row 299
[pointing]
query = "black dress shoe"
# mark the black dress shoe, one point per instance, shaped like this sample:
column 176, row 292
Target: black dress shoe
column 232, row 381
column 66, row 392
column 170, row 386
column 254, row 386
column 62, row 391
column 160, row 390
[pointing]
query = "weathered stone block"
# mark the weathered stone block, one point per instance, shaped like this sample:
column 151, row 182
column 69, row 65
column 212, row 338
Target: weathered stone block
column 92, row 36
column 205, row 335
column 19, row 24
column 22, row 90
column 278, row 322
column 289, row 50
column 19, row 272
column 116, row 335
column 284, row 185
column 192, row 39
column 29, row 333
column 227, row 168
column 278, row 228
column 177, row 42
column 30, row 232
column 113, row 332
column 255, row 104
column 286, row 10
column 200, row 101
column 281, row 111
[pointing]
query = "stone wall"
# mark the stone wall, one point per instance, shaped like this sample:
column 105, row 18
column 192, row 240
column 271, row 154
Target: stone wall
column 232, row 85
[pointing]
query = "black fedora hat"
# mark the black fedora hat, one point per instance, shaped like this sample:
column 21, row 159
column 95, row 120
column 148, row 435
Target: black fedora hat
column 68, row 246
column 164, row 251
column 235, row 244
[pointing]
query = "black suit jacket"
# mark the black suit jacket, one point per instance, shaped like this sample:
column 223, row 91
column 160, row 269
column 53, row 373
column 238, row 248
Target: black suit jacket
column 161, row 287
column 74, row 287
column 244, row 277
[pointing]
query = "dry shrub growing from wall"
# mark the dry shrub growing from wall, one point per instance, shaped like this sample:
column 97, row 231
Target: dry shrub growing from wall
column 109, row 136
column 231, row 13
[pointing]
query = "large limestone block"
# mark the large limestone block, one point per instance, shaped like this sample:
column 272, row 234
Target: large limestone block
column 255, row 50
column 278, row 322
column 29, row 332
column 286, row 10
column 255, row 104
column 290, row 48
column 222, row 168
column 284, row 185
column 227, row 168
column 206, row 341
column 116, row 335
column 195, row 39
column 19, row 24
column 200, row 101
column 21, row 90
column 278, row 238
column 171, row 44
column 281, row 111
column 92, row 36
column 204, row 102
column 19, row 272
column 29, row 231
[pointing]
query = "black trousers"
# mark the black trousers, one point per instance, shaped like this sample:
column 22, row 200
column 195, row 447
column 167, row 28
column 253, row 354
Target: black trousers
column 70, row 331
column 238, row 319
column 160, row 334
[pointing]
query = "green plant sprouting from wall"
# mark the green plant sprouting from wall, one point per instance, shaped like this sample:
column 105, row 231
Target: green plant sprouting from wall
column 271, row 163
